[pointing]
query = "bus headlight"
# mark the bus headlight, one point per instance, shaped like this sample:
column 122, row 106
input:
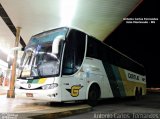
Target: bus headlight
column 49, row 86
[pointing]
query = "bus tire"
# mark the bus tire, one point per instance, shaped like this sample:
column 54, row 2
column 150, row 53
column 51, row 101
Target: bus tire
column 136, row 97
column 93, row 95
column 140, row 93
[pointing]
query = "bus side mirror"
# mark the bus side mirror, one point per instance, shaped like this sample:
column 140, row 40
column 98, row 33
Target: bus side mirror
column 56, row 44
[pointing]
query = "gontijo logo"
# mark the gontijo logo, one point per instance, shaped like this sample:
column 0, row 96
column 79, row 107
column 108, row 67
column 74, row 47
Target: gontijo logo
column 74, row 91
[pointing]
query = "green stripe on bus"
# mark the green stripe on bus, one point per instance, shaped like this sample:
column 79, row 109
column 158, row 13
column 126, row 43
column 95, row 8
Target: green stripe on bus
column 35, row 81
column 119, row 80
column 112, row 79
column 128, row 84
column 30, row 81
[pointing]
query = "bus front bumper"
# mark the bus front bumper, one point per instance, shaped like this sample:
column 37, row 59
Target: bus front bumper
column 48, row 95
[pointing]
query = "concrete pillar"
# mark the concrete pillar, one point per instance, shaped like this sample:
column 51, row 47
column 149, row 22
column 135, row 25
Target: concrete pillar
column 11, row 92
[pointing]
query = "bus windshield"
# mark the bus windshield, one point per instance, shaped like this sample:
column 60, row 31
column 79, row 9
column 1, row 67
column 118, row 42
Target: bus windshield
column 38, row 59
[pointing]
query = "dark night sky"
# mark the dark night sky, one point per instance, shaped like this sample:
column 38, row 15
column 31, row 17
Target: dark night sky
column 140, row 41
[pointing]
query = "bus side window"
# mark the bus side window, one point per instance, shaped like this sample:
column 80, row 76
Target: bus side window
column 74, row 52
column 92, row 48
column 80, row 48
column 68, row 60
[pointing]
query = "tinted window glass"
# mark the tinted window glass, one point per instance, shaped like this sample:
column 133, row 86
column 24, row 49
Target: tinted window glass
column 98, row 50
column 92, row 48
column 74, row 52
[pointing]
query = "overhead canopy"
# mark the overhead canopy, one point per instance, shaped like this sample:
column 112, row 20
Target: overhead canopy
column 96, row 17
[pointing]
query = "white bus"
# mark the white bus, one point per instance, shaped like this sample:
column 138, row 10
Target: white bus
column 66, row 64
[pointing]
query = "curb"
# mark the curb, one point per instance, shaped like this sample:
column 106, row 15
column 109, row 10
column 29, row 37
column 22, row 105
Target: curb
column 62, row 114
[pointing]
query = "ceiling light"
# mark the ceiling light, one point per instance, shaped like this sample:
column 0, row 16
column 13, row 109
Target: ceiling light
column 68, row 8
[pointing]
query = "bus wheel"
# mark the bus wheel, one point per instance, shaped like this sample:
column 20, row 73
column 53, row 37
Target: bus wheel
column 136, row 97
column 140, row 93
column 94, row 94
